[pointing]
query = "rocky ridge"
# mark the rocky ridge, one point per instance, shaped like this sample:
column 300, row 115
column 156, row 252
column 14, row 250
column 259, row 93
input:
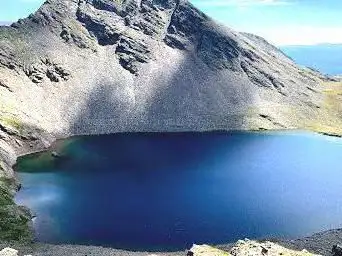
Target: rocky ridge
column 105, row 66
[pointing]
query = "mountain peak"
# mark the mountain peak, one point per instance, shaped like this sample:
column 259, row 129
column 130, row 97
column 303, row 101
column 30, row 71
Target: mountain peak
column 130, row 24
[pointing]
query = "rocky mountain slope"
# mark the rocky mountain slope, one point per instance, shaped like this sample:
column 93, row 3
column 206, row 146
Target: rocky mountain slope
column 103, row 66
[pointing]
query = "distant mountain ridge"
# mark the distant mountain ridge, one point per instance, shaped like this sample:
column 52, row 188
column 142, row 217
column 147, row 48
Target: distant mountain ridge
column 323, row 57
column 5, row 23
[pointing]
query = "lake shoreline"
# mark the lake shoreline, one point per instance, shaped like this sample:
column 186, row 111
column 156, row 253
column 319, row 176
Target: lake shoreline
column 318, row 243
column 53, row 143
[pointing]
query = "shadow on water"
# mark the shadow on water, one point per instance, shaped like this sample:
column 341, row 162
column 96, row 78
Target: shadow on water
column 189, row 101
column 186, row 102
column 132, row 151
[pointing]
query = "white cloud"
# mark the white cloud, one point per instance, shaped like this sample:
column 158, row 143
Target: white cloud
column 241, row 3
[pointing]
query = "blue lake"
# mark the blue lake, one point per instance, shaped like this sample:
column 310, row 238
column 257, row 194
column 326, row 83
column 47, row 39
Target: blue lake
column 153, row 191
column 324, row 57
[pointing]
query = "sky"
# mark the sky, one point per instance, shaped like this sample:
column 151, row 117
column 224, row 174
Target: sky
column 282, row 22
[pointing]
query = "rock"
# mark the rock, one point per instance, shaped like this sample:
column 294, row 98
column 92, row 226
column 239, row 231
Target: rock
column 106, row 34
column 175, row 42
column 190, row 253
column 249, row 247
column 205, row 250
column 52, row 75
column 4, row 85
column 337, row 250
column 8, row 252
column 36, row 73
column 218, row 52
column 55, row 154
column 46, row 68
column 131, row 53
column 264, row 250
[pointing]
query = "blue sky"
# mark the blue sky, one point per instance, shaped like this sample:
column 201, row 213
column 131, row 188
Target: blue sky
column 282, row 22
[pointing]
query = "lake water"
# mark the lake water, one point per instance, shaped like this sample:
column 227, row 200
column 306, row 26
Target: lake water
column 324, row 57
column 167, row 191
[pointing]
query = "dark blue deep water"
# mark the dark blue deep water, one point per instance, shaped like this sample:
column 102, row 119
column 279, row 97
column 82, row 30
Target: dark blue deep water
column 167, row 191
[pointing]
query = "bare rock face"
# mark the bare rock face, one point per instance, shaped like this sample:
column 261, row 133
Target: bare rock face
column 8, row 252
column 248, row 247
column 37, row 72
column 205, row 250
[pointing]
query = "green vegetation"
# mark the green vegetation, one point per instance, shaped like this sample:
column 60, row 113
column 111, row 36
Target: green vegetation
column 6, row 197
column 326, row 119
column 14, row 220
column 330, row 121
column 15, row 224
column 12, row 122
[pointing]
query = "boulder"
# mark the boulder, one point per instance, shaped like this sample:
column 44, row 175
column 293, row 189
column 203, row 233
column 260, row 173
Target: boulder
column 247, row 247
column 205, row 250
column 8, row 252
column 337, row 250
column 55, row 154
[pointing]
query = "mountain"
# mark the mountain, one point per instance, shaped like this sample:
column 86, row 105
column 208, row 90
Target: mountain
column 107, row 66
column 104, row 66
column 323, row 57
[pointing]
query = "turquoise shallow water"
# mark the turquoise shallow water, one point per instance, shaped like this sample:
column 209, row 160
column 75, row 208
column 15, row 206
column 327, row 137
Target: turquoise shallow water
column 152, row 191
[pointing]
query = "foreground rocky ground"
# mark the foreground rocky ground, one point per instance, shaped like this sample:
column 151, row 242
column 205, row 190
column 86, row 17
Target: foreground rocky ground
column 241, row 248
column 317, row 244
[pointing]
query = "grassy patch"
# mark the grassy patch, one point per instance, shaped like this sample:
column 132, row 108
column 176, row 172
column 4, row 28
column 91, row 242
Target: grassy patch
column 14, row 224
column 12, row 122
column 326, row 129
column 6, row 197
column 14, row 220
column 330, row 119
